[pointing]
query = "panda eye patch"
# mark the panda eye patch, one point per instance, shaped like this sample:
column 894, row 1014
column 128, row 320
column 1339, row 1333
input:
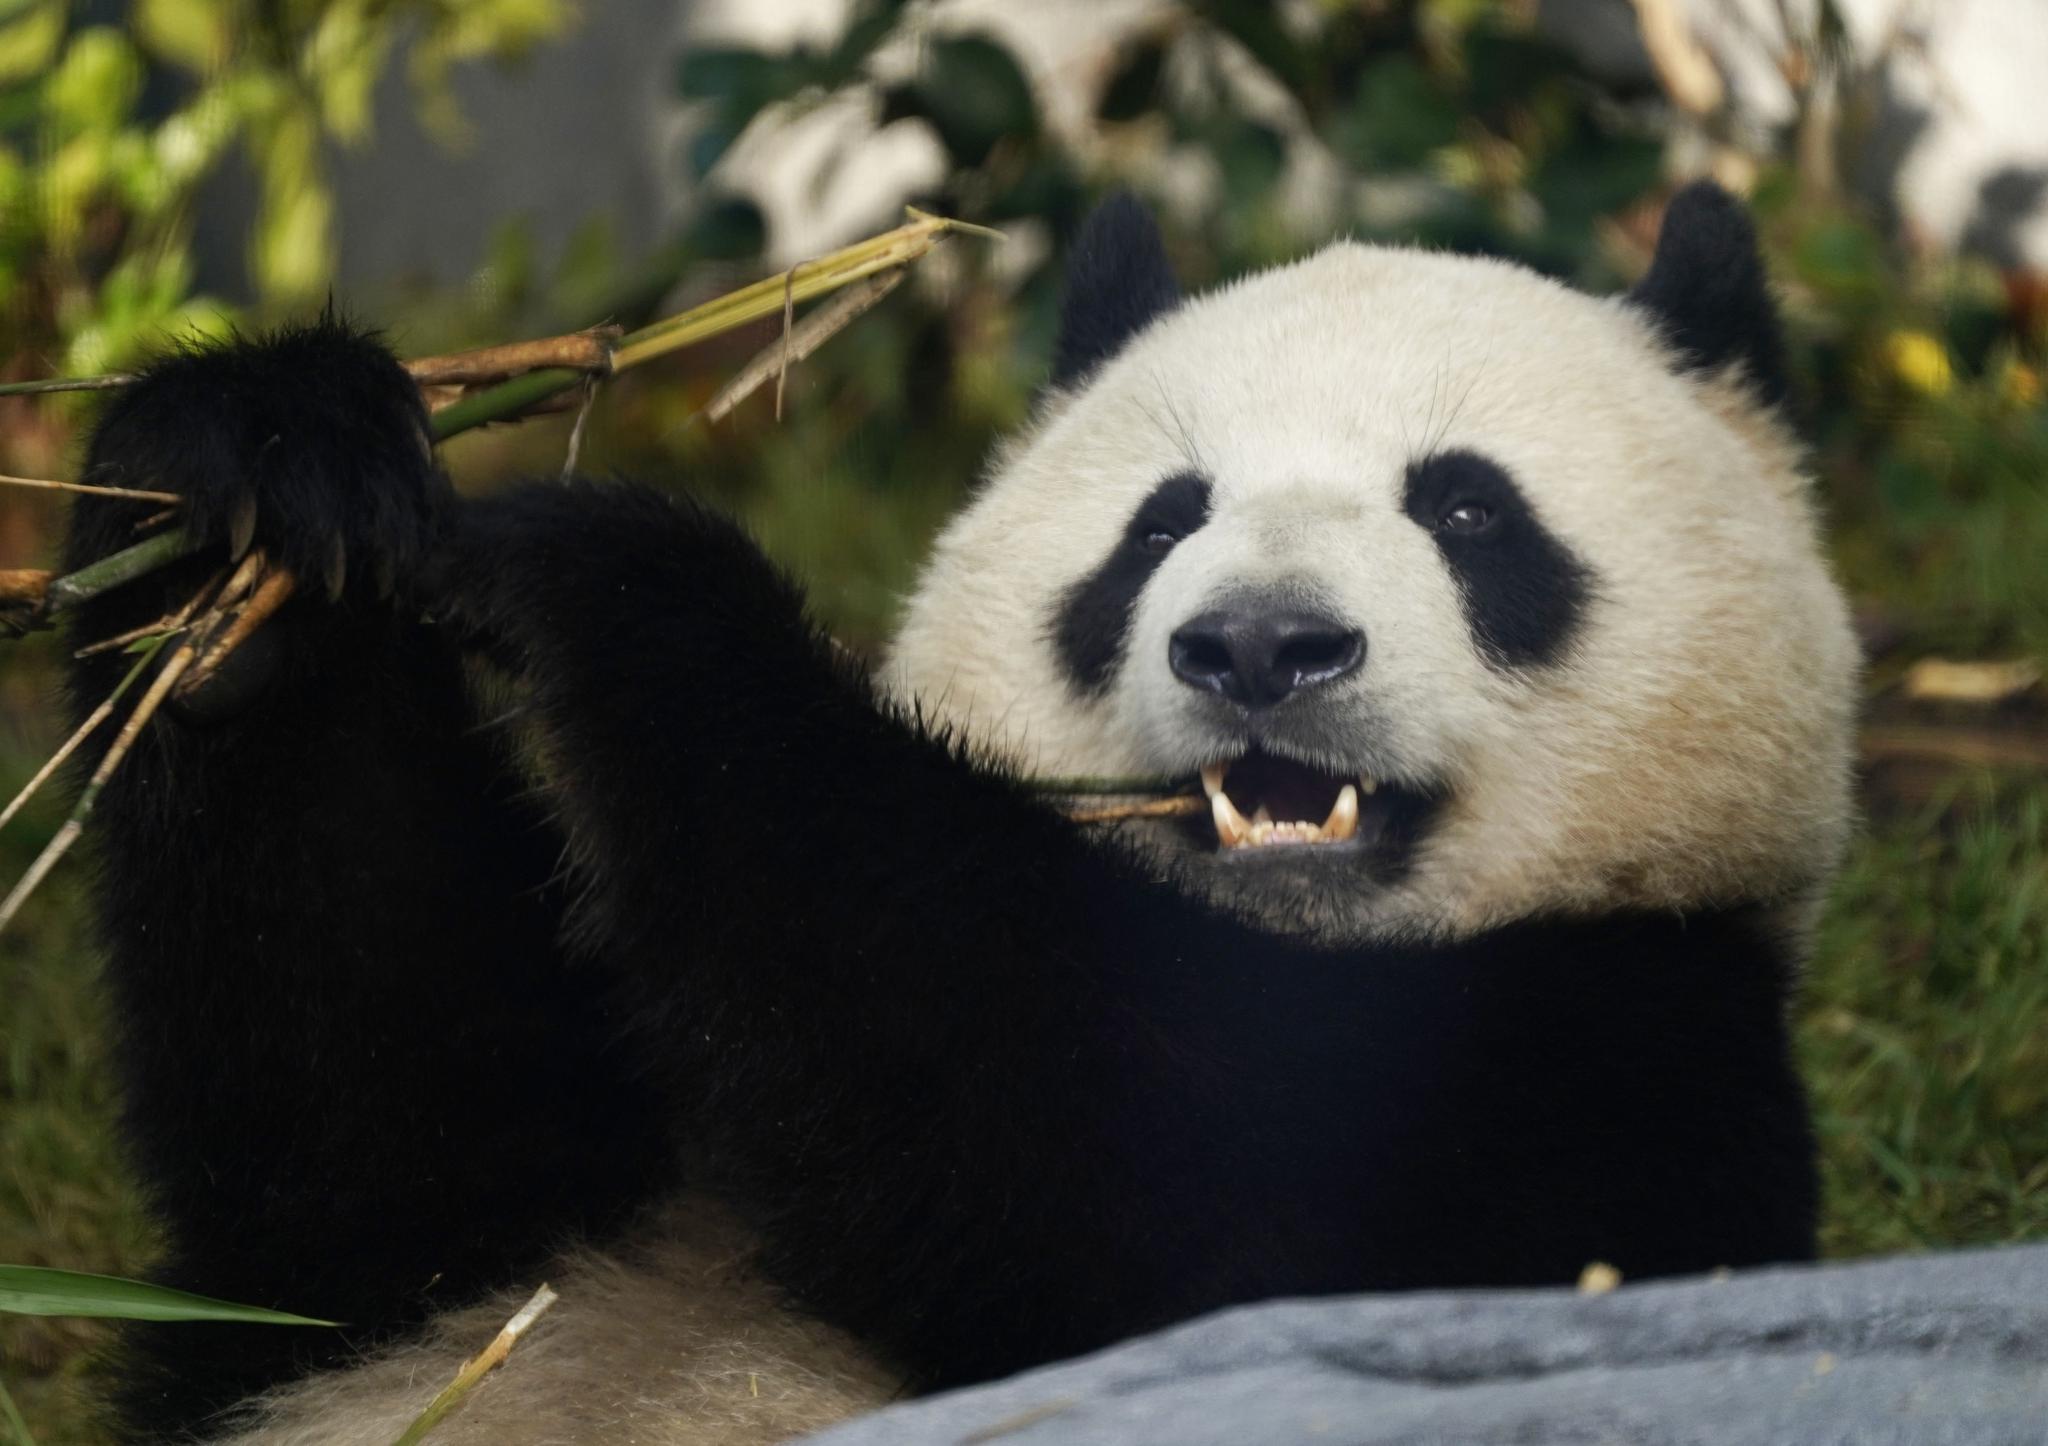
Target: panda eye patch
column 1523, row 590
column 1092, row 619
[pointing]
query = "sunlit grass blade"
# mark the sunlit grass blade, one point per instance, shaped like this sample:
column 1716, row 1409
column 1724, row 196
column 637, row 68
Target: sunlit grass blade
column 10, row 1417
column 37, row 1290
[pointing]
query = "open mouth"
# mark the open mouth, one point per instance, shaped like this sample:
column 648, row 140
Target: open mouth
column 1261, row 801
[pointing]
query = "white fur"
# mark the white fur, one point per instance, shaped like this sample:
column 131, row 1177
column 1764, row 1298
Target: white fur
column 670, row 1341
column 1694, row 745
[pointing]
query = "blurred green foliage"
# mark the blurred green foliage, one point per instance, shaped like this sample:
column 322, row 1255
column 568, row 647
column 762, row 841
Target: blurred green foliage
column 97, row 189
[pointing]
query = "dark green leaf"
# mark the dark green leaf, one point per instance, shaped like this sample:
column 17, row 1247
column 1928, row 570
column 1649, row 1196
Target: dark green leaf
column 1595, row 178
column 1134, row 87
column 1255, row 24
column 709, row 146
column 730, row 75
column 728, row 229
column 741, row 83
column 33, row 1290
column 974, row 93
column 1505, row 68
column 868, row 29
column 1252, row 157
column 1396, row 118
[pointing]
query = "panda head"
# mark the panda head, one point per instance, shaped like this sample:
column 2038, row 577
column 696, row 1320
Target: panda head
column 1470, row 596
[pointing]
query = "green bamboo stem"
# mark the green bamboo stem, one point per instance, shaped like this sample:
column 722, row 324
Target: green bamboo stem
column 504, row 401
column 804, row 282
column 110, row 572
column 108, row 383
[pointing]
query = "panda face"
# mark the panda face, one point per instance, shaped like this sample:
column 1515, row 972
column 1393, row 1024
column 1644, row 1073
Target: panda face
column 1461, row 596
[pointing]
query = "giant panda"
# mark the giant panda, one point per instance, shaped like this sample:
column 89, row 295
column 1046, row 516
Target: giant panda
column 547, row 899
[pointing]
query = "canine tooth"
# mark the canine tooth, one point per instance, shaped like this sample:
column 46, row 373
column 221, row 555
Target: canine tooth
column 1230, row 825
column 1212, row 778
column 1343, row 820
column 1368, row 785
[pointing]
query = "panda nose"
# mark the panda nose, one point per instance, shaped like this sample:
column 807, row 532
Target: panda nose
column 1257, row 657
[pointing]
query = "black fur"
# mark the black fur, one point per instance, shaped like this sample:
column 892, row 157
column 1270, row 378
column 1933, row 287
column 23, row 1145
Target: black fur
column 342, row 1022
column 992, row 1093
column 1709, row 293
column 1523, row 591
column 1093, row 620
column 1118, row 283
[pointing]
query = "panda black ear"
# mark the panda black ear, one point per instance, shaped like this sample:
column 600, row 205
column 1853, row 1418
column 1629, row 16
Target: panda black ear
column 1707, row 290
column 1118, row 283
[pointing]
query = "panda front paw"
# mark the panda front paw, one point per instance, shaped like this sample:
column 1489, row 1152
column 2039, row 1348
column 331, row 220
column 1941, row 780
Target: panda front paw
column 310, row 442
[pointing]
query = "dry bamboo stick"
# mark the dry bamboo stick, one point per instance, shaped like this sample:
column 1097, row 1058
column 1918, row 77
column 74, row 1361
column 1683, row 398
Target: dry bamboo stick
column 139, row 494
column 485, row 1361
column 66, row 836
column 1185, row 807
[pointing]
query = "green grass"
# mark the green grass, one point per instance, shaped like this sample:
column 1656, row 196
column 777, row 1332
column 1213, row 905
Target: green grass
column 1925, row 1029
column 64, row 1198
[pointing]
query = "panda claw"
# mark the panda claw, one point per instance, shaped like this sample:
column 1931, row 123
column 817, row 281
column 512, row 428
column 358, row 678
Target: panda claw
column 242, row 524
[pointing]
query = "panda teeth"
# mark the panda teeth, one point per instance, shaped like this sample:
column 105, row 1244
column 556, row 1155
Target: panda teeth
column 1343, row 820
column 1235, row 831
column 1231, row 826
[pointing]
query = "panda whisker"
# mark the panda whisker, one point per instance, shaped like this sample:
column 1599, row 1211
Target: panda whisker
column 1458, row 407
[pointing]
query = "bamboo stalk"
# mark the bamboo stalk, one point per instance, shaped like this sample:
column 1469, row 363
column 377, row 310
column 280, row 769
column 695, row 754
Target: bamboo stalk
column 1127, row 784
column 137, row 493
column 508, row 399
column 485, row 1361
column 22, row 590
column 800, row 341
column 715, row 317
column 1959, row 747
column 113, row 381
column 1186, row 807
column 111, row 571
column 765, row 297
column 73, row 826
column 84, row 731
column 271, row 594
column 585, row 351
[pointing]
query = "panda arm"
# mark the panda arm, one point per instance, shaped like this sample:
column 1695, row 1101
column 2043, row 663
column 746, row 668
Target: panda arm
column 916, row 1023
column 993, row 1093
column 356, row 1081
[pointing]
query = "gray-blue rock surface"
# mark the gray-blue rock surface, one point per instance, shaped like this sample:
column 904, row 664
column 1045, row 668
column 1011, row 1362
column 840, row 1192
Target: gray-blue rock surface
column 1946, row 1350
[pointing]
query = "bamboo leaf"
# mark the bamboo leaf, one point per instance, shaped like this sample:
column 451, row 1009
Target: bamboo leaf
column 35, row 1290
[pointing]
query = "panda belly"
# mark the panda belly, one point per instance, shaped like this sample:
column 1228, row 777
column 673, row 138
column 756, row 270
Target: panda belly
column 668, row 1339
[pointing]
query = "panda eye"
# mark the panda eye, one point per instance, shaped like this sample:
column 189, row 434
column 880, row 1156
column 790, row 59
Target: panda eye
column 1466, row 518
column 1158, row 542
